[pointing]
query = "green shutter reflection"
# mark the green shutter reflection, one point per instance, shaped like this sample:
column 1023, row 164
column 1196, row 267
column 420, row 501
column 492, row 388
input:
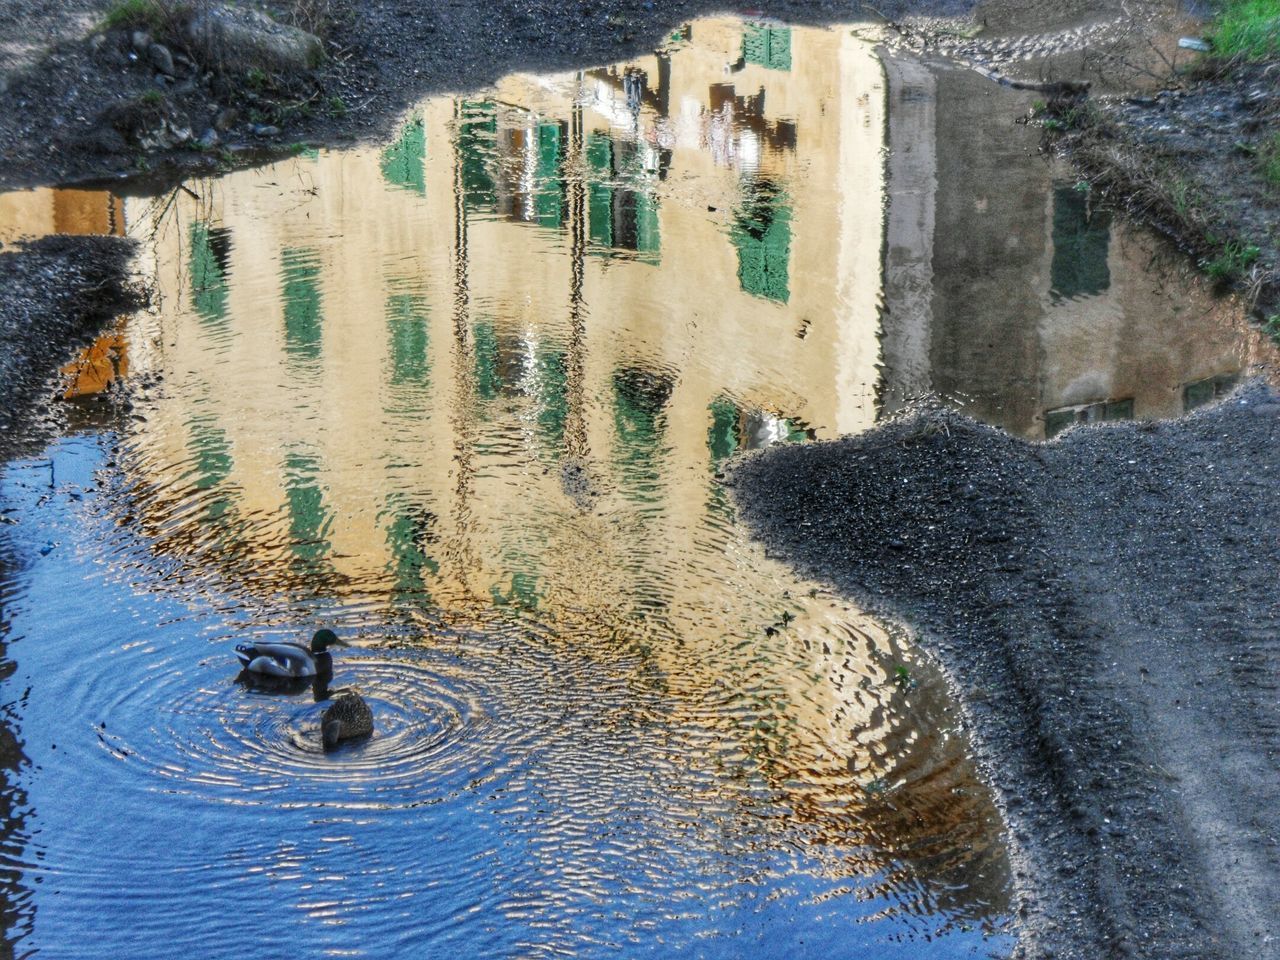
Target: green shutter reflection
column 548, row 203
column 1081, row 241
column 488, row 376
column 477, row 135
column 408, row 333
column 600, row 190
column 210, row 253
column 403, row 163
column 522, row 593
column 762, row 236
column 552, row 391
column 308, row 519
column 408, row 535
column 647, row 240
column 722, row 437
column 211, row 466
column 619, row 216
column 301, row 295
column 639, row 398
column 767, row 46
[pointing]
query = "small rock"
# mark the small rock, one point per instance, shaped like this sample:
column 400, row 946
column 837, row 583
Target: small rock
column 140, row 41
column 226, row 119
column 240, row 39
column 1194, row 43
column 209, row 139
column 264, row 130
column 161, row 59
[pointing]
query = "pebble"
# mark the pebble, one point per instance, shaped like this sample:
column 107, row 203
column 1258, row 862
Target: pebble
column 161, row 58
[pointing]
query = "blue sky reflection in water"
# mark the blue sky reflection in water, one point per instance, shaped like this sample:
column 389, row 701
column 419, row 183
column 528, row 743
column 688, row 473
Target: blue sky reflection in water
column 464, row 398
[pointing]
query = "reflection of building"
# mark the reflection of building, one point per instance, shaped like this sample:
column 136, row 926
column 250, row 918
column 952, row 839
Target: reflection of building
column 1007, row 291
column 500, row 360
column 523, row 256
column 38, row 213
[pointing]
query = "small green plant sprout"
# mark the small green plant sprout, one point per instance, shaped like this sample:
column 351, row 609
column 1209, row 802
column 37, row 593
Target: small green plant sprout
column 902, row 678
column 876, row 787
column 1082, row 186
column 787, row 617
column 1248, row 29
column 1269, row 160
column 1038, row 107
column 134, row 13
column 1272, row 327
column 337, row 106
column 1231, row 263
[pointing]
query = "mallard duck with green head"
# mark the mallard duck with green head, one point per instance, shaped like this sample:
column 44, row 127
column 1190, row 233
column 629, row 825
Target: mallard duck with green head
column 290, row 661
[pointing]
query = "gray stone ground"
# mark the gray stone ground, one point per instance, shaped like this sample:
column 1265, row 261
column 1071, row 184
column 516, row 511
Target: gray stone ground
column 1106, row 607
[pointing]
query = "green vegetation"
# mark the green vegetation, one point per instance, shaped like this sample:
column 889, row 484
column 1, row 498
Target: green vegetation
column 1234, row 259
column 1248, row 29
column 337, row 106
column 1269, row 160
column 135, row 13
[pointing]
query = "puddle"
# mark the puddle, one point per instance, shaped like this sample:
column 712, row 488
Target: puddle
column 464, row 398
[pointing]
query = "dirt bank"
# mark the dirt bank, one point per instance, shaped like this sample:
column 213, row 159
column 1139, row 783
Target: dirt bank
column 58, row 293
column 1105, row 604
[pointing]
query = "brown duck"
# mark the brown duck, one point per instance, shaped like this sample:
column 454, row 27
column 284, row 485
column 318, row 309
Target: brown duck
column 348, row 717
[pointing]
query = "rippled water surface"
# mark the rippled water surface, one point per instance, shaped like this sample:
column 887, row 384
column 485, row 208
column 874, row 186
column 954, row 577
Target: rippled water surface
column 465, row 398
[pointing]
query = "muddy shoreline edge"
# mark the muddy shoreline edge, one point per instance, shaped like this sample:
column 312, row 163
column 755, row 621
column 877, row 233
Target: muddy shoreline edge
column 1104, row 607
column 59, row 294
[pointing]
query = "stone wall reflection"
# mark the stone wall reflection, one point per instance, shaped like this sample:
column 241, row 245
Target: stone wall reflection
column 1011, row 292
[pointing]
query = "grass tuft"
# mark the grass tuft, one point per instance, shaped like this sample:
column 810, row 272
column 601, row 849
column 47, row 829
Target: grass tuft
column 1269, row 160
column 126, row 14
column 1232, row 262
column 1248, row 29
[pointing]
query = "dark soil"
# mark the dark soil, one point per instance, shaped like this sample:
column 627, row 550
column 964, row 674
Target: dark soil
column 58, row 294
column 1191, row 162
column 1106, row 606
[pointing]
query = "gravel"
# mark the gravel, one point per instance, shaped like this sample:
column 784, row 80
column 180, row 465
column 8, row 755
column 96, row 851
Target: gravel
column 1106, row 607
column 58, row 294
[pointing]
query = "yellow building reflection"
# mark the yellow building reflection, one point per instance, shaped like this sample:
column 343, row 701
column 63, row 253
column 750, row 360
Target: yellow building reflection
column 27, row 214
column 498, row 363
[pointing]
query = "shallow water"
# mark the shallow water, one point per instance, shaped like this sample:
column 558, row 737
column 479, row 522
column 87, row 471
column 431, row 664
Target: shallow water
column 465, row 399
